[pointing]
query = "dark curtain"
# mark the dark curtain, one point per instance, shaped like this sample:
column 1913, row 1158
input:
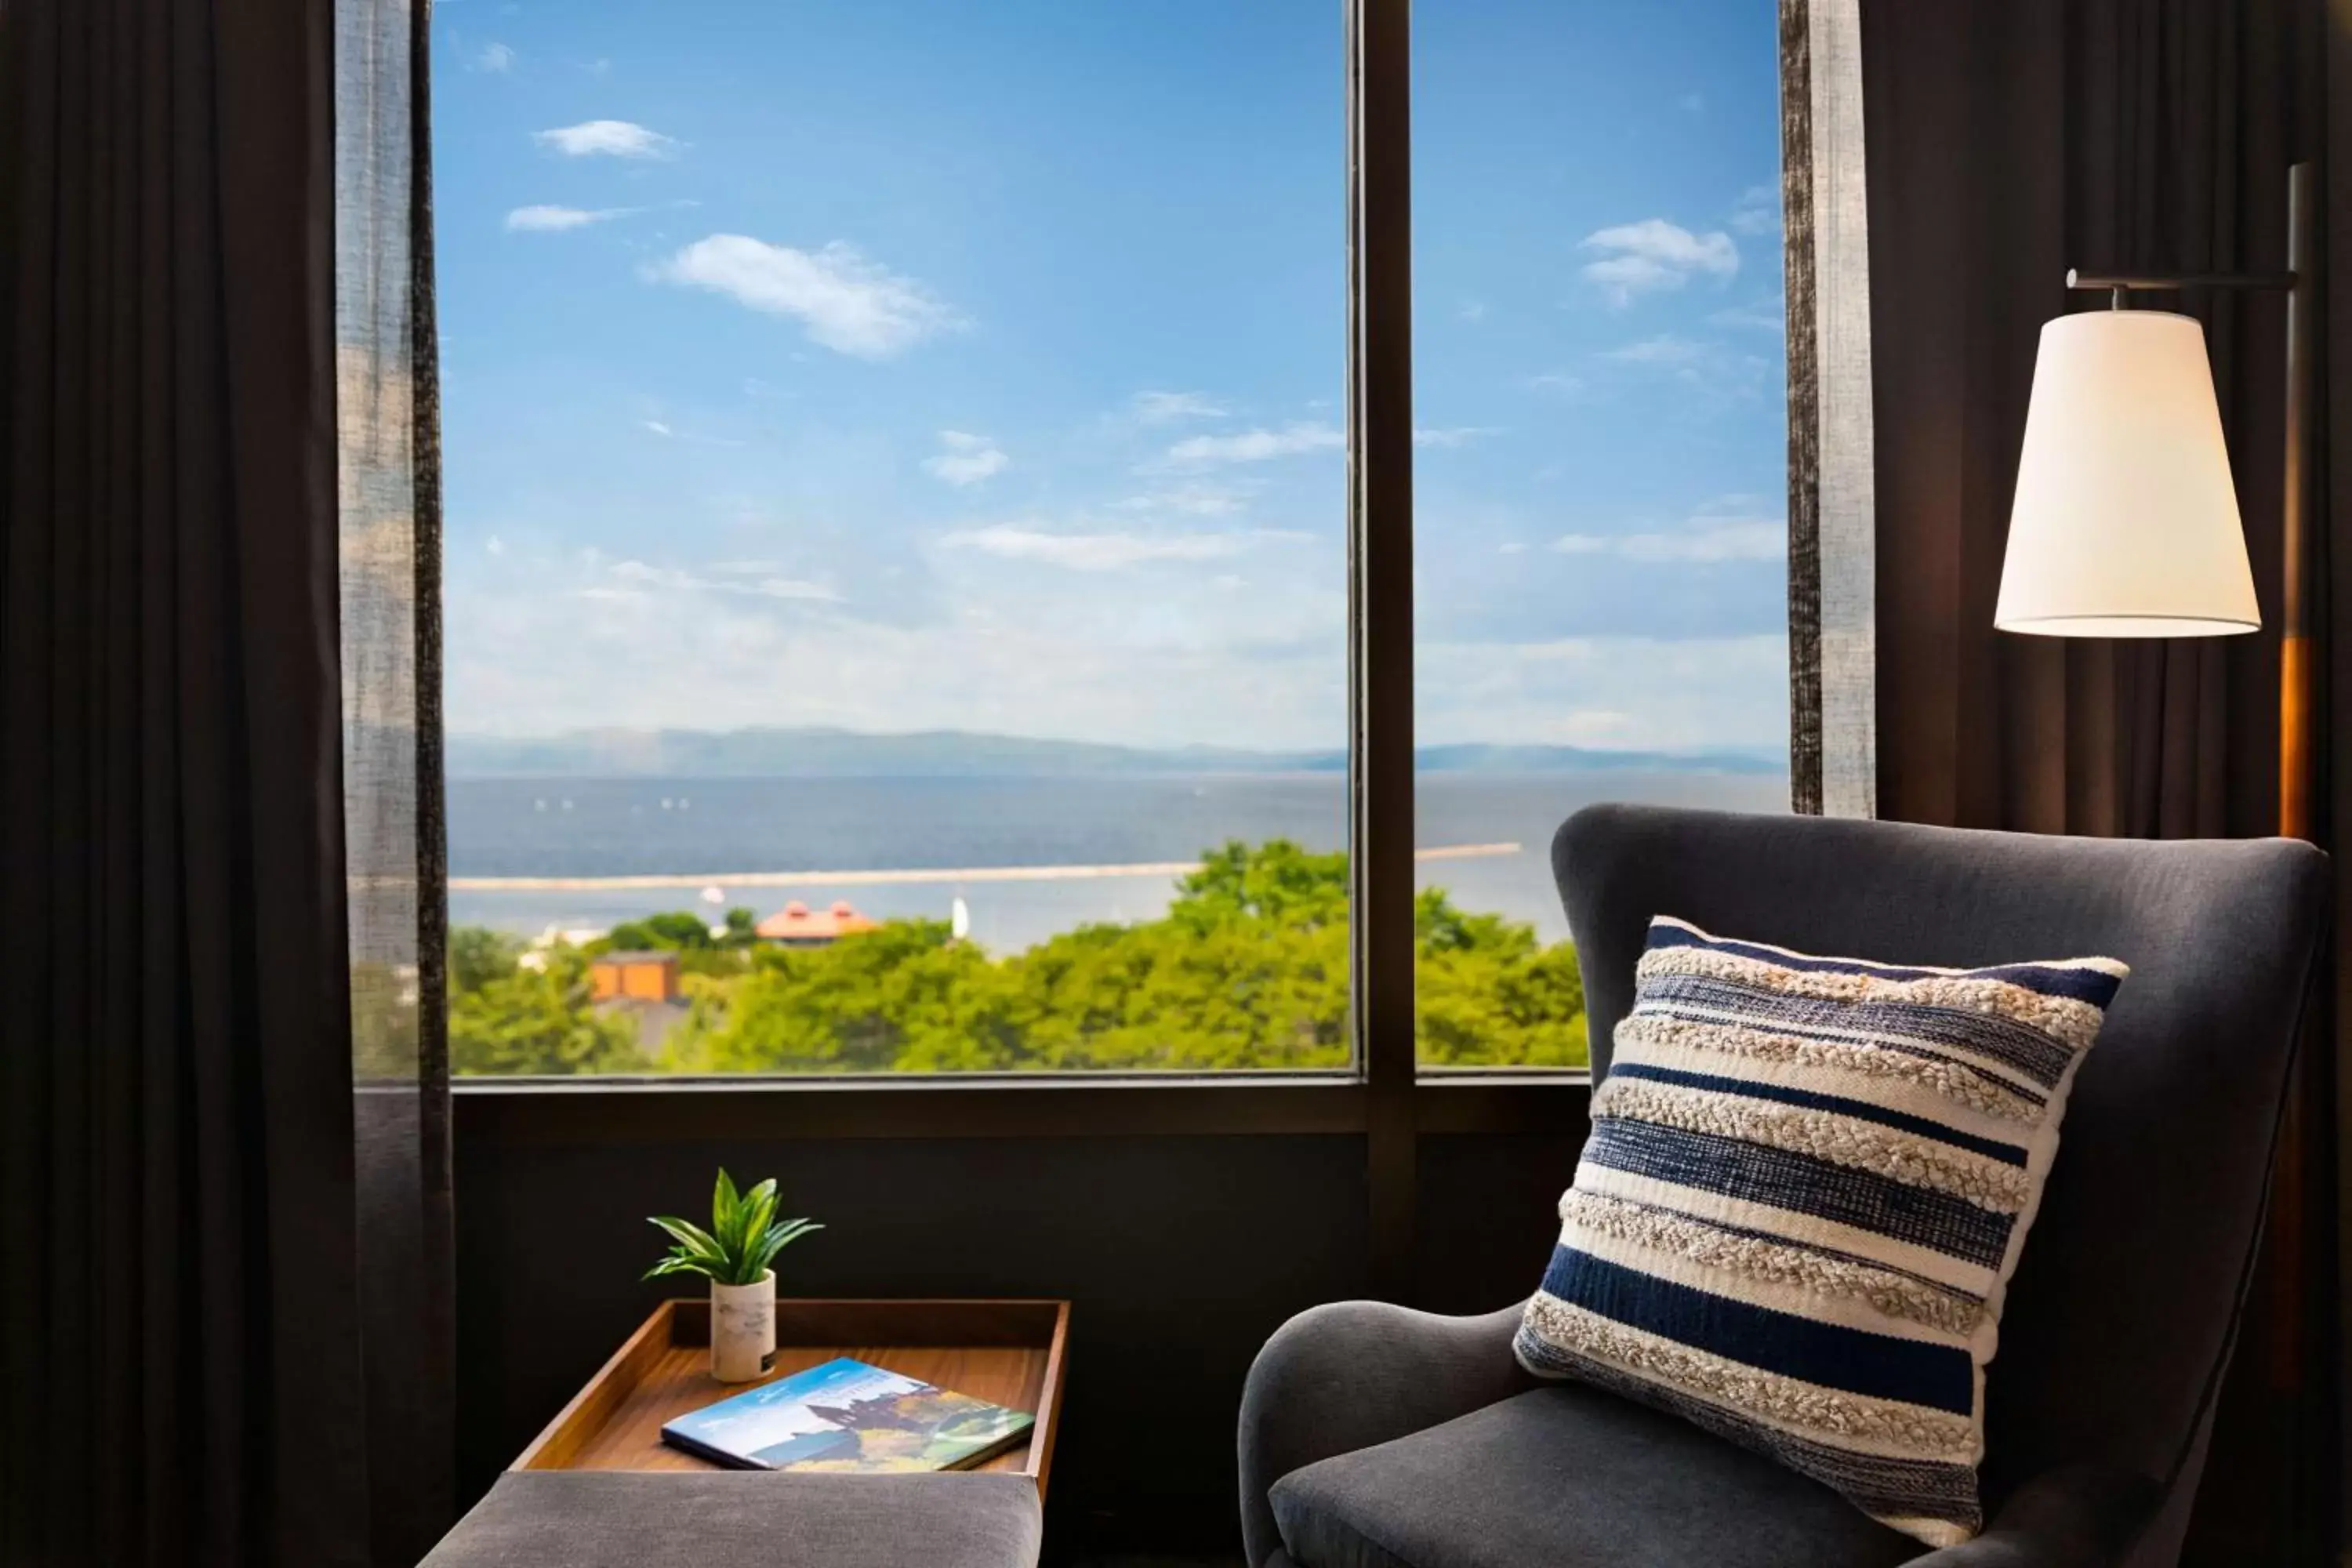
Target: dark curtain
column 2009, row 140
column 196, row 1336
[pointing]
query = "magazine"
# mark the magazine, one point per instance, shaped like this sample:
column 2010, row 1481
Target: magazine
column 849, row 1418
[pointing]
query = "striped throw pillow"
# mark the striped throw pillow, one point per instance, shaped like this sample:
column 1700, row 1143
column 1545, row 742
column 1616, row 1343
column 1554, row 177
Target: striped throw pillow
column 1807, row 1186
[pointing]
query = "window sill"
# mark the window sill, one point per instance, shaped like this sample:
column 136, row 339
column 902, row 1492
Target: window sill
column 1003, row 1105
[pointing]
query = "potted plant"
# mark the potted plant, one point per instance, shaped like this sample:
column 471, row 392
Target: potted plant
column 734, row 1254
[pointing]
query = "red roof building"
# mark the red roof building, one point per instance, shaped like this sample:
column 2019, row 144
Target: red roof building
column 797, row 925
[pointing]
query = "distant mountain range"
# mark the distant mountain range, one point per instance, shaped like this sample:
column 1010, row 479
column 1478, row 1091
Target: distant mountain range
column 955, row 753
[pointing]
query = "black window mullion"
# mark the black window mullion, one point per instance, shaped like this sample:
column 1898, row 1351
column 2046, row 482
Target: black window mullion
column 1380, row 476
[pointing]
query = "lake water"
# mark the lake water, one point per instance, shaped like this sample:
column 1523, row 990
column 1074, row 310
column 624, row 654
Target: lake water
column 605, row 828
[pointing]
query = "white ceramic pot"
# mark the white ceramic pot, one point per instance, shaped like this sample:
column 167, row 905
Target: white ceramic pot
column 742, row 1328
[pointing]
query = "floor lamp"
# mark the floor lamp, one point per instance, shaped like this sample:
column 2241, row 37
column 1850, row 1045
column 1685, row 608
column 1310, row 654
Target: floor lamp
column 2125, row 525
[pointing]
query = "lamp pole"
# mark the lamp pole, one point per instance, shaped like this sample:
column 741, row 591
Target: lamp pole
column 2298, row 283
column 2289, row 1288
column 2127, row 521
column 2295, row 542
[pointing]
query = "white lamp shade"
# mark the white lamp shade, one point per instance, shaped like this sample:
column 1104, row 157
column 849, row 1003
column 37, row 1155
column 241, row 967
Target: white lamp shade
column 2126, row 523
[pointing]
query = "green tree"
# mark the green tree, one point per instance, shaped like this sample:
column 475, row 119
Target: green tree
column 685, row 934
column 881, row 1000
column 1489, row 994
column 1276, row 882
column 677, row 931
column 478, row 955
column 1249, row 968
column 535, row 1019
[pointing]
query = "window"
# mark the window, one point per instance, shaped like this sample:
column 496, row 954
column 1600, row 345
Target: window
column 897, row 578
column 1599, row 554
column 898, row 582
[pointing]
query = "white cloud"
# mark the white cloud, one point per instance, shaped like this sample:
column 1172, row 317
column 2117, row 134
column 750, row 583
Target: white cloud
column 555, row 220
column 1630, row 692
column 1193, row 498
column 1027, row 650
column 1099, row 551
column 494, row 58
column 1243, row 647
column 966, row 460
column 1556, row 381
column 841, row 300
column 1262, row 662
column 1166, row 407
column 1664, row 349
column 1257, row 445
column 1716, row 371
column 785, row 588
column 1757, row 211
column 1760, row 316
column 1451, row 436
column 1722, row 530
column 496, row 545
column 668, row 432
column 627, row 579
column 606, row 138
column 637, row 574
column 1653, row 256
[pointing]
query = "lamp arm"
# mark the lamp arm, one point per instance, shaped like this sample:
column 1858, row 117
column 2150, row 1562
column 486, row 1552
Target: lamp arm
column 2154, row 281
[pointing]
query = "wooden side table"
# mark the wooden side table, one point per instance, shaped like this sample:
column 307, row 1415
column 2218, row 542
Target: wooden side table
column 1009, row 1352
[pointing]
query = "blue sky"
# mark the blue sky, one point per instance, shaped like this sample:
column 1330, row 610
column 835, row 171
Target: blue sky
column 914, row 363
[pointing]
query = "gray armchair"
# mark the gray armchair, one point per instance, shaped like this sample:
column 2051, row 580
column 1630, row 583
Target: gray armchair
column 1373, row 1437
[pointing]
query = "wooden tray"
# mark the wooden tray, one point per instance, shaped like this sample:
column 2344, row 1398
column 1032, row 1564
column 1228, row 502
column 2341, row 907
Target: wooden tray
column 1008, row 1352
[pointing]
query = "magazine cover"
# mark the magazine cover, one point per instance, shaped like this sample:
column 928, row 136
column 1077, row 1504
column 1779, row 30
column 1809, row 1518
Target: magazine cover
column 847, row 1417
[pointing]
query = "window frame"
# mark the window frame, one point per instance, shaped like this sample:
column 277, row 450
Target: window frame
column 664, row 1108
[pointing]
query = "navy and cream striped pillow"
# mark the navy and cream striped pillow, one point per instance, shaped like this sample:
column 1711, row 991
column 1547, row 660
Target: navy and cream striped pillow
column 1807, row 1186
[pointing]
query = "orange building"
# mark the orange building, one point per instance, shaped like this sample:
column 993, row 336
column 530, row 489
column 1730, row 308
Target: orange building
column 632, row 977
column 797, row 925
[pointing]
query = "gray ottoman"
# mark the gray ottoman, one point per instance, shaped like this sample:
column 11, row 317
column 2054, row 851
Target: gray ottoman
column 640, row 1519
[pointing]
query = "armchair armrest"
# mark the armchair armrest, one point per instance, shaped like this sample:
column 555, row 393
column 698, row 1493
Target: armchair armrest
column 1345, row 1377
column 2079, row 1516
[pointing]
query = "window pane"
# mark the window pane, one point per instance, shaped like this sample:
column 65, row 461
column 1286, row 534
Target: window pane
column 1601, row 545
column 896, row 570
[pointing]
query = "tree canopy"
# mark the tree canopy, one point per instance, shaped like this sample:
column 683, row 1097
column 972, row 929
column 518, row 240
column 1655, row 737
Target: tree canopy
column 1248, row 968
column 531, row 1017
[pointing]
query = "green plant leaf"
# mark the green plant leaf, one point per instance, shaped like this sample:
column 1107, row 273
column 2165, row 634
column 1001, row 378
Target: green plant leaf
column 777, row 1237
column 724, row 1202
column 759, row 1208
column 690, row 1237
column 743, row 1238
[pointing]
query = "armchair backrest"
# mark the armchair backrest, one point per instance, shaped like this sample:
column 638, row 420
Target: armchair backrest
column 2124, row 1307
